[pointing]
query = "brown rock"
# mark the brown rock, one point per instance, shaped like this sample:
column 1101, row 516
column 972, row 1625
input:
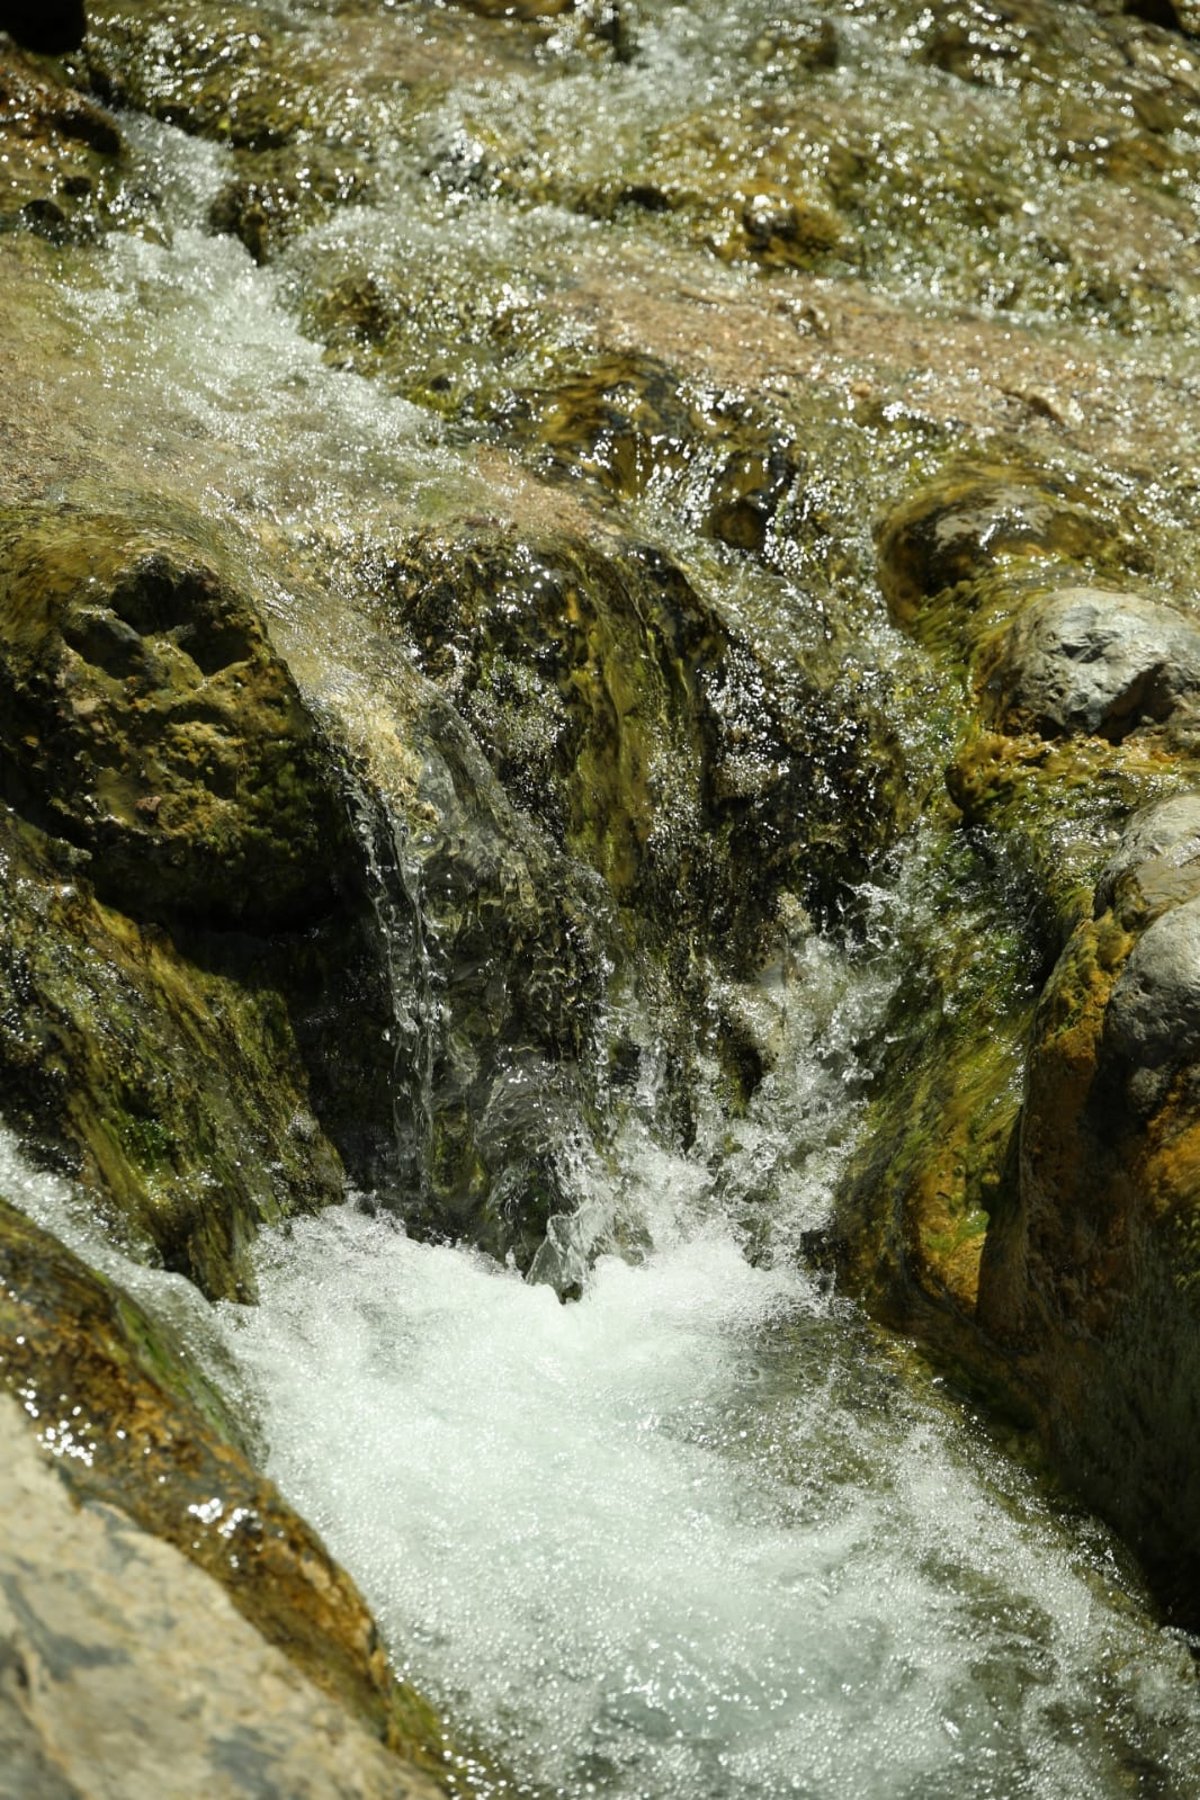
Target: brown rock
column 1090, row 1280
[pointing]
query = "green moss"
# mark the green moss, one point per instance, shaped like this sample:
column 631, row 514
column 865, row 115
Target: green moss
column 935, row 1161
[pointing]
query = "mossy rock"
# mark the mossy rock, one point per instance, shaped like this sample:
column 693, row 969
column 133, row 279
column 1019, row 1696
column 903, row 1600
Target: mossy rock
column 177, row 1092
column 975, row 523
column 133, row 1423
column 148, row 721
column 186, row 904
column 935, row 1159
column 628, row 423
column 1057, row 807
column 223, row 71
column 1091, row 1278
column 277, row 194
column 647, row 733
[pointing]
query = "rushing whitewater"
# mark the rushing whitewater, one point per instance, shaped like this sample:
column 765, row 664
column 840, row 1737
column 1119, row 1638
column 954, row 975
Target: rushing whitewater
column 695, row 1536
column 702, row 1533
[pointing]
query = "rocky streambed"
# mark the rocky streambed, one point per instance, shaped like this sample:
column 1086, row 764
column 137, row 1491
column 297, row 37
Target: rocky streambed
column 600, row 851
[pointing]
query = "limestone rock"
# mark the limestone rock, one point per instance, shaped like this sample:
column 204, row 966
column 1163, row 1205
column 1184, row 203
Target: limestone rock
column 1152, row 1024
column 1084, row 659
column 120, row 1402
column 125, row 1672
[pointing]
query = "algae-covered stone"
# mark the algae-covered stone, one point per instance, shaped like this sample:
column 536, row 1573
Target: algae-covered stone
column 647, row 732
column 629, row 423
column 1091, row 1274
column 219, row 71
column 175, row 1088
column 147, row 720
column 131, row 1424
column 185, row 904
column 970, row 523
column 278, row 193
column 913, row 1207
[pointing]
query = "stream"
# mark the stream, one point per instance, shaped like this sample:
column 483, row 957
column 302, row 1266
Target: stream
column 702, row 1532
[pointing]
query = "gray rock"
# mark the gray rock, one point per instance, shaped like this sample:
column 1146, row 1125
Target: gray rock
column 127, row 1674
column 1152, row 1023
column 1157, row 863
column 1088, row 660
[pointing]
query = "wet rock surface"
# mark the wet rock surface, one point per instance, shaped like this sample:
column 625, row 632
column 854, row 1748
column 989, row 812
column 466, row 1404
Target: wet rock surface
column 63, row 159
column 1088, row 1278
column 966, row 527
column 648, row 734
column 148, row 722
column 119, row 1404
column 175, row 1088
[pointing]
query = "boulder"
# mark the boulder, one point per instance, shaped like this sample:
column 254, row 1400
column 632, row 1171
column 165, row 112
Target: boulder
column 648, row 733
column 1084, row 659
column 186, row 917
column 145, row 718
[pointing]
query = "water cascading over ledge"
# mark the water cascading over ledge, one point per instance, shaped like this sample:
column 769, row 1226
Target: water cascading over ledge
column 598, row 652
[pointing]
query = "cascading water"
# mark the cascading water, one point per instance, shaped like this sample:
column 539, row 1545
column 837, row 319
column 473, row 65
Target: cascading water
column 701, row 1533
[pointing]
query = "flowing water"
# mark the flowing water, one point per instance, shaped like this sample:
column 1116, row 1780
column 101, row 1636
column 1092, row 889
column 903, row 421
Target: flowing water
column 703, row 1532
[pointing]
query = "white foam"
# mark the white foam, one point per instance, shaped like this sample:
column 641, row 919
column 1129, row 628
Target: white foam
column 692, row 1536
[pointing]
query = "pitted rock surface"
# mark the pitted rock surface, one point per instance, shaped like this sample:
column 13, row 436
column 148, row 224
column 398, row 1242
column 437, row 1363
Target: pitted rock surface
column 1085, row 660
column 147, row 720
